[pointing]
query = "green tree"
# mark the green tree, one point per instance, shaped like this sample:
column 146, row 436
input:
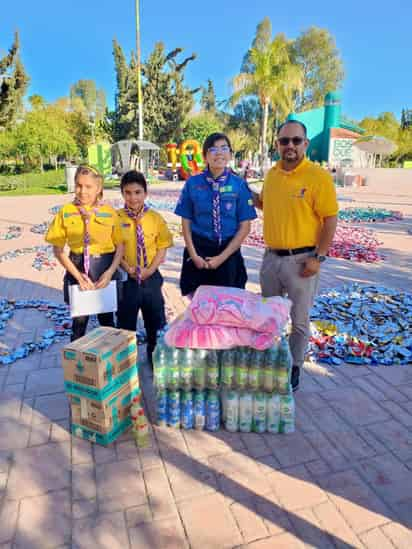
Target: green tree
column 44, row 135
column 208, row 98
column 92, row 99
column 13, row 85
column 315, row 52
column 200, row 125
column 261, row 41
column 274, row 80
column 166, row 99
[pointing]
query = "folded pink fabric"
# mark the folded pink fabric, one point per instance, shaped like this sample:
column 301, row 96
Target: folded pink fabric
column 239, row 308
column 185, row 333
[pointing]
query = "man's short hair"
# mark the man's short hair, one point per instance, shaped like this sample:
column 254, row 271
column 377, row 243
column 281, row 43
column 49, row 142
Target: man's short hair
column 301, row 124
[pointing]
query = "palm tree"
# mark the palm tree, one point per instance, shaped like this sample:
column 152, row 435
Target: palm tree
column 273, row 79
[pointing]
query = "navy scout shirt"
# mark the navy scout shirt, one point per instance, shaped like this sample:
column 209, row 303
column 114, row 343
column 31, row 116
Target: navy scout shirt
column 195, row 203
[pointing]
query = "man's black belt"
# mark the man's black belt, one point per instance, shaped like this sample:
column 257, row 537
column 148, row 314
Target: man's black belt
column 293, row 251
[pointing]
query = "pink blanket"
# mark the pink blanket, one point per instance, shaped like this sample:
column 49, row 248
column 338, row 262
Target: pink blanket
column 239, row 308
column 183, row 332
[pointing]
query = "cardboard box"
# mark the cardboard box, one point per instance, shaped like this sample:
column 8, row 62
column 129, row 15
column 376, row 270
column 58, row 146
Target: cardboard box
column 100, row 363
column 103, row 416
column 101, row 438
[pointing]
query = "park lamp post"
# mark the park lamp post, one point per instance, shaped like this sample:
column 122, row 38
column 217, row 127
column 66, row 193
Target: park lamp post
column 139, row 72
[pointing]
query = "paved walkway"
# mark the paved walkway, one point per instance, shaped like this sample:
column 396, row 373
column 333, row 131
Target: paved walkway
column 342, row 480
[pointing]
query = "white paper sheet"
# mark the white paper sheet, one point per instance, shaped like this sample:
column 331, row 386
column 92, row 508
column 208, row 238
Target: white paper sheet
column 92, row 302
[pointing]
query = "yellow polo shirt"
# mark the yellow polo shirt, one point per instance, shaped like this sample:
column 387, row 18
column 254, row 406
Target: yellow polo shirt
column 295, row 203
column 67, row 227
column 156, row 235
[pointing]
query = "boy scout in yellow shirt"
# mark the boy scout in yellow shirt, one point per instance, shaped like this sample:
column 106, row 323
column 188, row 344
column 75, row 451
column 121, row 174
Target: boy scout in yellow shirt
column 146, row 238
column 299, row 221
column 92, row 232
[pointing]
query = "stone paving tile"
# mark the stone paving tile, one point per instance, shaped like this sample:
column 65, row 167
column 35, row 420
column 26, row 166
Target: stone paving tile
column 103, row 531
column 308, row 529
column 54, row 407
column 375, row 539
column 360, row 507
column 224, row 533
column 119, row 485
column 283, row 541
column 8, row 519
column 83, row 481
column 249, row 522
column 160, row 496
column 292, row 450
column 43, row 382
column 355, row 406
column 400, row 536
column 38, row 470
column 295, row 488
column 39, row 526
column 160, row 534
column 13, row 434
column 395, row 437
column 333, row 523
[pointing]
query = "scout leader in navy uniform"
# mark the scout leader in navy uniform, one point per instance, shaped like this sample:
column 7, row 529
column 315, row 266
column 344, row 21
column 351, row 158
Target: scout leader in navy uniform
column 216, row 208
column 92, row 232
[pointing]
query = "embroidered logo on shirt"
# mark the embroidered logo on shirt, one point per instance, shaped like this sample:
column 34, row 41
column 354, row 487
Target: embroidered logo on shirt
column 228, row 205
column 301, row 193
column 126, row 225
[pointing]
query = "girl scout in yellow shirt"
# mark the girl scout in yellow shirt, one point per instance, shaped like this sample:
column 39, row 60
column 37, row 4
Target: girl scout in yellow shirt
column 92, row 232
column 146, row 238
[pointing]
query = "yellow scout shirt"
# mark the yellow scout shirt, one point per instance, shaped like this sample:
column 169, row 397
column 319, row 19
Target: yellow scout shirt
column 156, row 235
column 295, row 203
column 68, row 228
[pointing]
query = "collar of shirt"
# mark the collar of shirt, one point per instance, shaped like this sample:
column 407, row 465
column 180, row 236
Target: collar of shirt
column 302, row 164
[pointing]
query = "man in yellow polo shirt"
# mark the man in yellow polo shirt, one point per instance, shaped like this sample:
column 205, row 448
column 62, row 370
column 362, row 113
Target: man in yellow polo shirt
column 299, row 221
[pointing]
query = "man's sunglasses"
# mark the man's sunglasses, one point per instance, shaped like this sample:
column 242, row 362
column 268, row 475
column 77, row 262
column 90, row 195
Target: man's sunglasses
column 286, row 140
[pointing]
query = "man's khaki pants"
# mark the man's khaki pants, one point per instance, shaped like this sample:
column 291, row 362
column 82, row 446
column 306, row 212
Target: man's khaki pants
column 280, row 275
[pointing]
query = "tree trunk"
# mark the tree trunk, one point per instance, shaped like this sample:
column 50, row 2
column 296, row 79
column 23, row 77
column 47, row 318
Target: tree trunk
column 265, row 127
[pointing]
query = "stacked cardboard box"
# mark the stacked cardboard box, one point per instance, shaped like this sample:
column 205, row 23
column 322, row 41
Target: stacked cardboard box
column 101, row 379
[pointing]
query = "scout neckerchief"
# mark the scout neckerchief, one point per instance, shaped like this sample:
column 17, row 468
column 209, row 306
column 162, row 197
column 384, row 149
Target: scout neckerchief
column 216, row 216
column 140, row 246
column 86, row 215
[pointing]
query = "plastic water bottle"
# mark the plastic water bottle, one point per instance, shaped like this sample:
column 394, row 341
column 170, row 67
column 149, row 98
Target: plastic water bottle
column 199, row 405
column 186, row 370
column 212, row 378
column 212, row 411
column 173, row 409
column 255, row 370
column 269, row 380
column 160, row 366
column 241, row 368
column 186, row 410
column 161, row 407
column 273, row 413
column 245, row 412
column 199, row 368
column 174, row 358
column 232, row 411
column 287, row 414
column 283, row 369
column 259, row 413
column 228, row 359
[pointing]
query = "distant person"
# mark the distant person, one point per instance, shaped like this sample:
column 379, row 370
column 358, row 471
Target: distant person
column 216, row 208
column 92, row 232
column 147, row 239
column 299, row 221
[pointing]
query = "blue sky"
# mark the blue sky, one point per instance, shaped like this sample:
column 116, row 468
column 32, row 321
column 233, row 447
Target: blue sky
column 63, row 42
